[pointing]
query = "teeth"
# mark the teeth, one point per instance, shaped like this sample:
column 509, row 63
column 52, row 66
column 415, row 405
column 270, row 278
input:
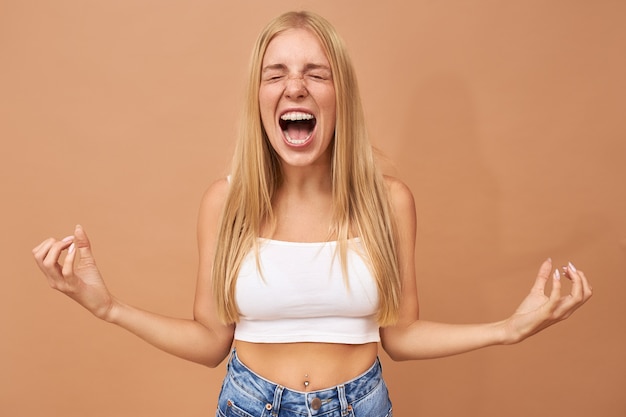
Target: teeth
column 296, row 115
column 296, row 141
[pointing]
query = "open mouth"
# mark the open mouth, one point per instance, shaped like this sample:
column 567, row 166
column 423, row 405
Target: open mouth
column 297, row 126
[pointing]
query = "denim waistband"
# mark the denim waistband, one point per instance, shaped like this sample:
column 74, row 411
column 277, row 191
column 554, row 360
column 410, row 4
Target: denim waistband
column 315, row 402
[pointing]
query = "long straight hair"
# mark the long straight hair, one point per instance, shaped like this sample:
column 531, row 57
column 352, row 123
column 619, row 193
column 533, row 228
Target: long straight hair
column 360, row 201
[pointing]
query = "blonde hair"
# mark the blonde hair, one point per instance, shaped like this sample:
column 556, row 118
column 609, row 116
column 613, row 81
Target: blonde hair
column 359, row 194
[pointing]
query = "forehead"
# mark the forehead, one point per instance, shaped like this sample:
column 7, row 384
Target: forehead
column 295, row 46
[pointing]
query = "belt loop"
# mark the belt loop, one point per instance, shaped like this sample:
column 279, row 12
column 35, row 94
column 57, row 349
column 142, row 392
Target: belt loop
column 278, row 394
column 230, row 359
column 345, row 407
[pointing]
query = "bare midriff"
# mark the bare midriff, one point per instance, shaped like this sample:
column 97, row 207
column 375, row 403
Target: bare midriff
column 307, row 366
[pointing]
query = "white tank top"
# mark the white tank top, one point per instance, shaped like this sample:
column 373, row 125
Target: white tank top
column 301, row 295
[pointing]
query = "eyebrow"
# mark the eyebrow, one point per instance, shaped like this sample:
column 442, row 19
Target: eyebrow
column 307, row 67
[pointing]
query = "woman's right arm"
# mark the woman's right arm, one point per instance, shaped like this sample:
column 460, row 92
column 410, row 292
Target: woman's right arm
column 203, row 339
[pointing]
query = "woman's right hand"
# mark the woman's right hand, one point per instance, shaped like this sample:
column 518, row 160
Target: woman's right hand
column 76, row 275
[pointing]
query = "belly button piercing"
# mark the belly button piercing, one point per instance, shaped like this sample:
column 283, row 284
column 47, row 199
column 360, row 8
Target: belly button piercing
column 306, row 381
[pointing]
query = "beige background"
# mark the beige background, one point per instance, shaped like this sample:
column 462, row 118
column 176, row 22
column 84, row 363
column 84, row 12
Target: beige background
column 506, row 119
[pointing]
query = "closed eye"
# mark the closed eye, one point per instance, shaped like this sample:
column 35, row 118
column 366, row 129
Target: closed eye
column 273, row 72
column 319, row 74
column 272, row 77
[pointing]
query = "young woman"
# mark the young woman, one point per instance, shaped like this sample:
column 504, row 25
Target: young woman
column 306, row 252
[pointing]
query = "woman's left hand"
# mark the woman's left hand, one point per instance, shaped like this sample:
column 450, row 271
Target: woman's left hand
column 540, row 310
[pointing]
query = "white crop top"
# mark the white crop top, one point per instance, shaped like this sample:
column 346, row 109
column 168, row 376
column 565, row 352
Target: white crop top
column 301, row 295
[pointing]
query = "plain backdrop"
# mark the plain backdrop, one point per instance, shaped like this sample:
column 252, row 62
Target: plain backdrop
column 506, row 119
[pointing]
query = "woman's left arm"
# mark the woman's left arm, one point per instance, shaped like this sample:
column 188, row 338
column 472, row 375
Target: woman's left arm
column 412, row 338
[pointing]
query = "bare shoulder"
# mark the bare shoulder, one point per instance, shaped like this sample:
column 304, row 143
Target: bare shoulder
column 212, row 204
column 215, row 195
column 403, row 208
column 400, row 196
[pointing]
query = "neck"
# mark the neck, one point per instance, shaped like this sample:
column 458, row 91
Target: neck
column 306, row 180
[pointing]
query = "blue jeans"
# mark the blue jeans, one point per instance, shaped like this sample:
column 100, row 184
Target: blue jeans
column 246, row 394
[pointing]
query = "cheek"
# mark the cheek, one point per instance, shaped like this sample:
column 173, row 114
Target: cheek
column 330, row 103
column 331, row 113
column 267, row 114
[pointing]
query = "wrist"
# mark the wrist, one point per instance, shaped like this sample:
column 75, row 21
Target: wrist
column 110, row 313
column 508, row 334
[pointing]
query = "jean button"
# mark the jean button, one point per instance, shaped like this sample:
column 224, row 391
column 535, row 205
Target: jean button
column 316, row 404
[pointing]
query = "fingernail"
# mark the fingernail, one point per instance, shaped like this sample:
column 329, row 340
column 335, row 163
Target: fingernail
column 68, row 238
column 71, row 248
column 557, row 275
column 571, row 266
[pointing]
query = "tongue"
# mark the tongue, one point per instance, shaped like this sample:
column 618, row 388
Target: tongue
column 298, row 131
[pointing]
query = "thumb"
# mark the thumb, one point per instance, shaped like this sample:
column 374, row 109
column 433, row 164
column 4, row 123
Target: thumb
column 543, row 275
column 81, row 242
column 79, row 250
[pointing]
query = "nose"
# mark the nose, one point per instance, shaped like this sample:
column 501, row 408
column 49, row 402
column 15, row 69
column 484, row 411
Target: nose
column 295, row 87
